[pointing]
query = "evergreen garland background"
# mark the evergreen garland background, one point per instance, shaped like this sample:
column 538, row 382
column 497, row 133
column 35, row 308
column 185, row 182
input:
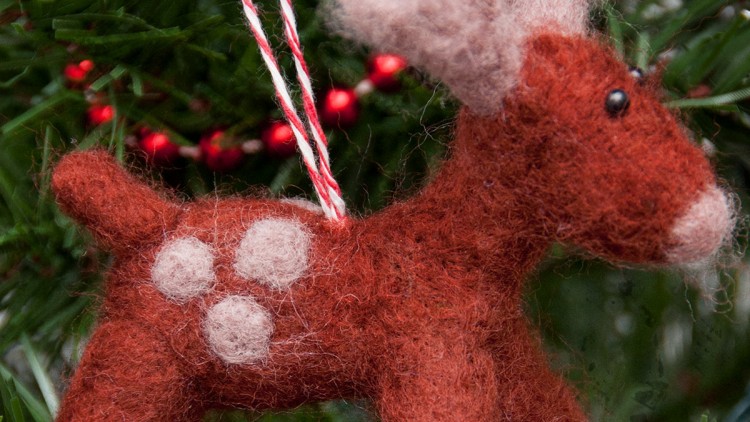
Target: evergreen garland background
column 640, row 345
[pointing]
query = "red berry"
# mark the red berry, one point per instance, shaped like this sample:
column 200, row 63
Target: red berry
column 340, row 107
column 74, row 73
column 217, row 155
column 159, row 149
column 86, row 65
column 78, row 72
column 278, row 140
column 383, row 70
column 99, row 114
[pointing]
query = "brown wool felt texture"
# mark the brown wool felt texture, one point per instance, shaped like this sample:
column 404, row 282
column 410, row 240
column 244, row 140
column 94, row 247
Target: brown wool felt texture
column 417, row 307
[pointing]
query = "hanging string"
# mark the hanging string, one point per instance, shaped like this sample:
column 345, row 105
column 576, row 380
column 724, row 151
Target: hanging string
column 322, row 178
column 290, row 30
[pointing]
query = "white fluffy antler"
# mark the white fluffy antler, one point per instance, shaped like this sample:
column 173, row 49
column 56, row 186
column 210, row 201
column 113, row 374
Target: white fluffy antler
column 474, row 46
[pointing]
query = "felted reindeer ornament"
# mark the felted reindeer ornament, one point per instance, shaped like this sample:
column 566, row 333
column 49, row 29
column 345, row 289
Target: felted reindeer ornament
column 266, row 304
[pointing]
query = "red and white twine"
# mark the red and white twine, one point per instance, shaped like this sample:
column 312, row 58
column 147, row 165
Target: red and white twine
column 319, row 169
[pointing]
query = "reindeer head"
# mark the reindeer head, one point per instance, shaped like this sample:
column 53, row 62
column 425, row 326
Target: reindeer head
column 617, row 173
column 600, row 162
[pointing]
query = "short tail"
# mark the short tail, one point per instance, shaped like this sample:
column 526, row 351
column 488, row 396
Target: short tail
column 121, row 211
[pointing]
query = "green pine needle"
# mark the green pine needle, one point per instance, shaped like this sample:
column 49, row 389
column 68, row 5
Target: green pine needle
column 727, row 99
column 43, row 379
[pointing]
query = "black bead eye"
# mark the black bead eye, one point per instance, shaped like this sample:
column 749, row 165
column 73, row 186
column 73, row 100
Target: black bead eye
column 636, row 73
column 617, row 103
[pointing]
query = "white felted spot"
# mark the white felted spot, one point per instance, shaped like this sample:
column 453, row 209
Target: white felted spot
column 304, row 204
column 184, row 268
column 238, row 330
column 703, row 229
column 274, row 252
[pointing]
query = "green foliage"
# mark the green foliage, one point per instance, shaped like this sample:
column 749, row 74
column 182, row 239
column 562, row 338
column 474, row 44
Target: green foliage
column 18, row 403
column 640, row 345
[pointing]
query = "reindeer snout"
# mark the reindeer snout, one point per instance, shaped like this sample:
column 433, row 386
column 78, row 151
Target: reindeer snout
column 702, row 230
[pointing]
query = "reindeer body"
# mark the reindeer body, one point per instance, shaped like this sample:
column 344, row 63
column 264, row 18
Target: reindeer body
column 380, row 311
column 419, row 306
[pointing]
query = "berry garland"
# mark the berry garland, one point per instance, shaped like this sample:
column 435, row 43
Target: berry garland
column 338, row 108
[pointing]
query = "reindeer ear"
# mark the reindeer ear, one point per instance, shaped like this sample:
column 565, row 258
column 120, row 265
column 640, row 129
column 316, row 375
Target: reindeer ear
column 121, row 211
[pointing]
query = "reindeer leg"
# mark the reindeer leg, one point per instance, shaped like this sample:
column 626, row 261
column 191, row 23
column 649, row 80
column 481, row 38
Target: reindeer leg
column 128, row 373
column 528, row 389
column 438, row 378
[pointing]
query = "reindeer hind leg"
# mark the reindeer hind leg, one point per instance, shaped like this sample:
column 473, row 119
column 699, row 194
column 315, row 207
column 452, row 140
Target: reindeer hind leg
column 128, row 373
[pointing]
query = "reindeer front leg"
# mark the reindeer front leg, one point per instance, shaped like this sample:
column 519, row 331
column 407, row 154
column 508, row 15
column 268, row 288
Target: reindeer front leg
column 438, row 378
column 128, row 373
column 528, row 389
